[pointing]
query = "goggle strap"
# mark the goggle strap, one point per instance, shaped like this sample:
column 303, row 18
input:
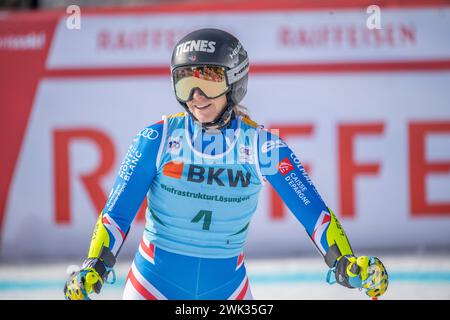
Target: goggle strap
column 238, row 72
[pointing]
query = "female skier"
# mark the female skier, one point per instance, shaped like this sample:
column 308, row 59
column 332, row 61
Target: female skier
column 202, row 171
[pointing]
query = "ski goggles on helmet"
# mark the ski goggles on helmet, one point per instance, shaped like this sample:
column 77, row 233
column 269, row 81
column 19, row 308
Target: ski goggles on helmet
column 211, row 80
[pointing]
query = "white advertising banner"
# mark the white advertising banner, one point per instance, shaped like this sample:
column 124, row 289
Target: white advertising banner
column 269, row 37
column 377, row 144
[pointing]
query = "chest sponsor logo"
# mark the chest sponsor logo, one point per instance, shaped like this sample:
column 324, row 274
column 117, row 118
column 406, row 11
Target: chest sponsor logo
column 209, row 175
column 173, row 169
column 201, row 174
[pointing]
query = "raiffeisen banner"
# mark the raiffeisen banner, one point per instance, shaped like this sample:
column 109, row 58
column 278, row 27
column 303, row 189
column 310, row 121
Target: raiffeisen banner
column 367, row 111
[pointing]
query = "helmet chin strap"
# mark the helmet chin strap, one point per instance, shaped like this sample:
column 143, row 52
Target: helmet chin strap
column 220, row 121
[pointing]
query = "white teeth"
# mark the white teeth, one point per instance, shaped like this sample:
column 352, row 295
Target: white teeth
column 203, row 107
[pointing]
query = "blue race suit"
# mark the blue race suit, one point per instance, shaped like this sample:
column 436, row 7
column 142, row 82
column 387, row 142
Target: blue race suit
column 202, row 189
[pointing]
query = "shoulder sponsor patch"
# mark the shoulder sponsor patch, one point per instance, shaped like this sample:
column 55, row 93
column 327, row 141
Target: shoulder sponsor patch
column 285, row 166
column 148, row 133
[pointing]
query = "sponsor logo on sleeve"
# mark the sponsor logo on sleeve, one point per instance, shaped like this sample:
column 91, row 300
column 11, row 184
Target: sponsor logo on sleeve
column 129, row 163
column 114, row 196
column 285, row 166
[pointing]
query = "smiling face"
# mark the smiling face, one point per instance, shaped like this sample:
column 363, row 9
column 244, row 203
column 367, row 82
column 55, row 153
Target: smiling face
column 204, row 109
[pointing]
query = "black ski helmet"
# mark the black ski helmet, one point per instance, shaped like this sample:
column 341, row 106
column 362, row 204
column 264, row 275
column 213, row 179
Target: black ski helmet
column 221, row 49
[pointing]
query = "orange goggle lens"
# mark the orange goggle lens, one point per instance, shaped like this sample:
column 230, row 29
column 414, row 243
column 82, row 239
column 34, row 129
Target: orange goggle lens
column 211, row 80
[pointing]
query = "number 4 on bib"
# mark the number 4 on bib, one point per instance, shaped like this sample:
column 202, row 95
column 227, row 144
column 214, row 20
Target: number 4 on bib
column 203, row 213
